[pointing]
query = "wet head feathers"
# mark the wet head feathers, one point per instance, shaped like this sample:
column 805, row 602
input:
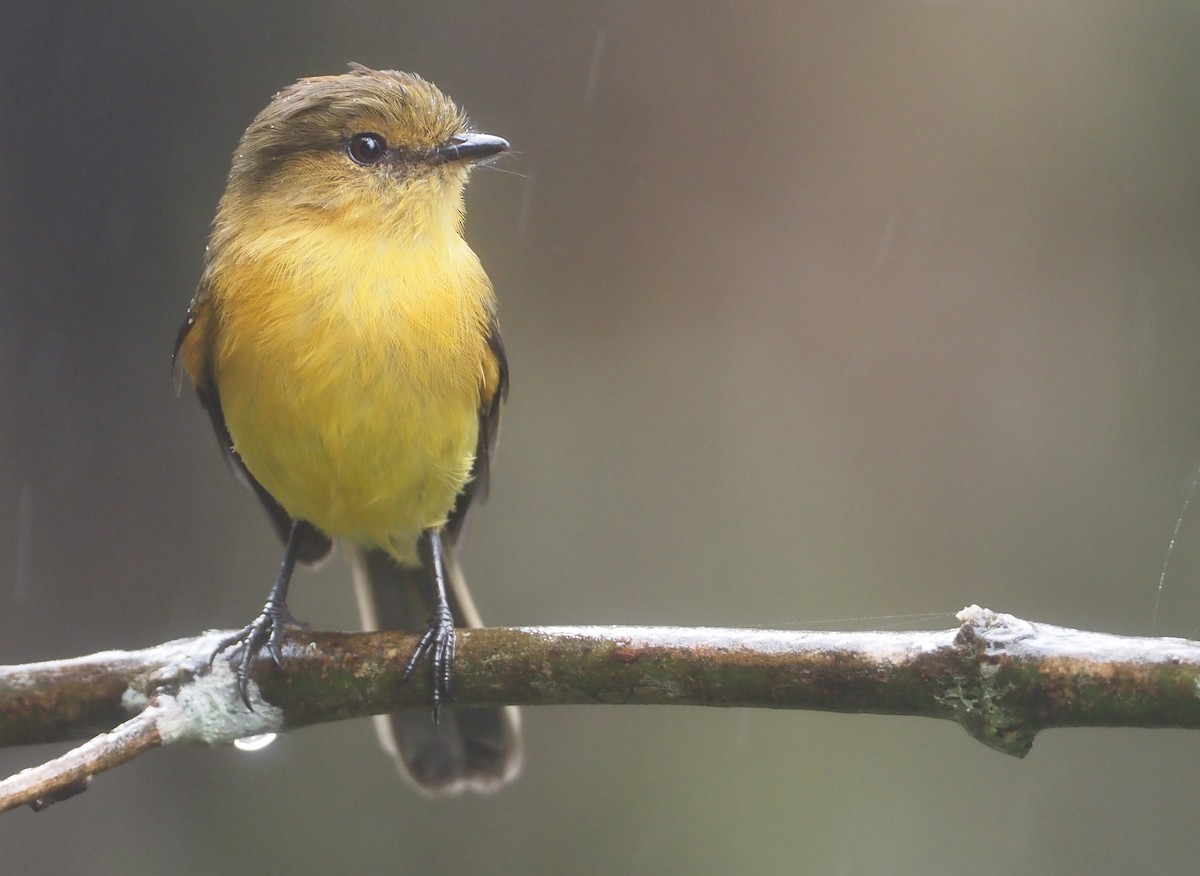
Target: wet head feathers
column 316, row 116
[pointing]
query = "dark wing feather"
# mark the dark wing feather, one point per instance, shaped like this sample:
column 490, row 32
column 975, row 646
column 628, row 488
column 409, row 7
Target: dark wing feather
column 489, row 429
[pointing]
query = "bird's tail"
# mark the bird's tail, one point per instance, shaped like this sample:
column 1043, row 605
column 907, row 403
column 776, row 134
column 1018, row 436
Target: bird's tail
column 476, row 749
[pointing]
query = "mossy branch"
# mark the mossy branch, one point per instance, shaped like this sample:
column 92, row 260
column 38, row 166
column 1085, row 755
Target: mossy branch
column 1003, row 679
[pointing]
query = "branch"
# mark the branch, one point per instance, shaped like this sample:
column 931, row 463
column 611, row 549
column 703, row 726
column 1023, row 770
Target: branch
column 1003, row 679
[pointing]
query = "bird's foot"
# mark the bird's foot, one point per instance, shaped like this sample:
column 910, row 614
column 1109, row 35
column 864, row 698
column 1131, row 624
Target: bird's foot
column 438, row 642
column 267, row 629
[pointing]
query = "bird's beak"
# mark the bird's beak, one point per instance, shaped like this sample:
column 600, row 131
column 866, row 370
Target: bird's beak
column 469, row 147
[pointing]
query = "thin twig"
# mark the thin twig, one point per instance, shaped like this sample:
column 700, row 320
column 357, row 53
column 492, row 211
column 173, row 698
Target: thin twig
column 72, row 773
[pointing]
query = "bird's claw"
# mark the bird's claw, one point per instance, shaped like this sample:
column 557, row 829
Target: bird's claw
column 438, row 641
column 267, row 629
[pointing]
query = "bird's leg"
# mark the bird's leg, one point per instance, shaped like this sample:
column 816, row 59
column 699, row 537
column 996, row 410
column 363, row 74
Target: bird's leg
column 268, row 628
column 439, row 634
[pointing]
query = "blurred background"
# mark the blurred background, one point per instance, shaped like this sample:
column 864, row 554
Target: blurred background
column 836, row 314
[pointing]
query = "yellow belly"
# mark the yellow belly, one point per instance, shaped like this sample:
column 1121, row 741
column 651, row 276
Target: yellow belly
column 352, row 391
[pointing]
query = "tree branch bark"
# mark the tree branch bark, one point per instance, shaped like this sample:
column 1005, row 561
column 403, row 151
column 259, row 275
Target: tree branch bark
column 1003, row 679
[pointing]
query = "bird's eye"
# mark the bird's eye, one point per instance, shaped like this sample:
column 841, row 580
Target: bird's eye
column 367, row 149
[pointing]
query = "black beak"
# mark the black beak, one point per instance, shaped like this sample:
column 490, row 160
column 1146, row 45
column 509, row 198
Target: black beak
column 469, row 147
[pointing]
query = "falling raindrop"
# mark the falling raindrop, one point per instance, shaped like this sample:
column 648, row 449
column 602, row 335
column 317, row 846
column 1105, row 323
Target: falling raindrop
column 1162, row 576
column 589, row 91
column 526, row 205
column 24, row 542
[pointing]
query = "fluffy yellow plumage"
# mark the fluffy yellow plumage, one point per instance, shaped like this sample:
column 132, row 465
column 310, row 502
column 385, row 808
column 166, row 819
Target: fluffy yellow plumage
column 351, row 378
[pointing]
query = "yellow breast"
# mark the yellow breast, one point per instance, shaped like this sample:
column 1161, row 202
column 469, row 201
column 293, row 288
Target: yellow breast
column 349, row 371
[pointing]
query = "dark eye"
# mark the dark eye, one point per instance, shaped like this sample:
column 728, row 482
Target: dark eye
column 367, row 149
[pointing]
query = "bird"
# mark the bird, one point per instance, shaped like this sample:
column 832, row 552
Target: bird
column 343, row 340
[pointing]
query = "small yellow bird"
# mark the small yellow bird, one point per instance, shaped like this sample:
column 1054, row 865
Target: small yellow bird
column 344, row 343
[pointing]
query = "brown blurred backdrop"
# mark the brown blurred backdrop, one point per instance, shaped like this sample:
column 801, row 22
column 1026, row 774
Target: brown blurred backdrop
column 816, row 312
